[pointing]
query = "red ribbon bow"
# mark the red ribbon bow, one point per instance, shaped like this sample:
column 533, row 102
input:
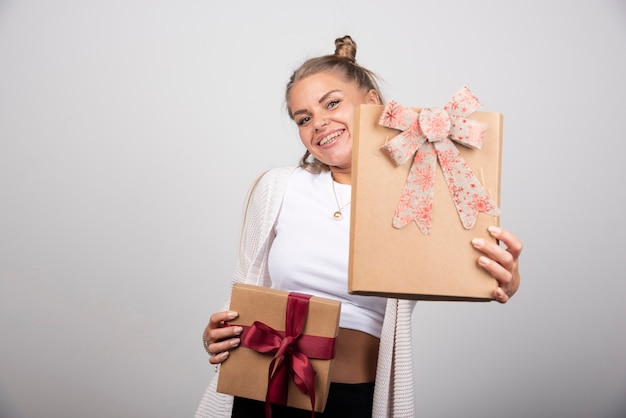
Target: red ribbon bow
column 427, row 136
column 291, row 352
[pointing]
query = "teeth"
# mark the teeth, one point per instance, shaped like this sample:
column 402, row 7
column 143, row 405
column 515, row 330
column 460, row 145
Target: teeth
column 329, row 138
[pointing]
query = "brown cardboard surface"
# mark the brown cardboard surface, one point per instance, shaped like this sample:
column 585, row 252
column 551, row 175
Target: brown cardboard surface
column 405, row 263
column 245, row 373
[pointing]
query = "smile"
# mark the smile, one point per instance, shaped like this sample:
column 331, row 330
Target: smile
column 330, row 138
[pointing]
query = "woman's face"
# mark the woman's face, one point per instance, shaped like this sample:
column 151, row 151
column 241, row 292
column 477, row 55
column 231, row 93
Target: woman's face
column 323, row 107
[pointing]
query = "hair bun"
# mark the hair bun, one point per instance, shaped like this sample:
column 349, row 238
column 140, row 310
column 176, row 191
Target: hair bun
column 346, row 48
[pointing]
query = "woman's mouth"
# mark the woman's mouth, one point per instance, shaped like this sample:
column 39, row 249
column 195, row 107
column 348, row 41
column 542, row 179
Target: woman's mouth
column 328, row 139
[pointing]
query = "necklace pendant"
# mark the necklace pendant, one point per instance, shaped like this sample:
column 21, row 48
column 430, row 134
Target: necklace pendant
column 337, row 215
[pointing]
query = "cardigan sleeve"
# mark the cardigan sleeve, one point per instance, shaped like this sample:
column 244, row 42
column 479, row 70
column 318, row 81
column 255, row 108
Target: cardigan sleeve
column 262, row 209
column 394, row 393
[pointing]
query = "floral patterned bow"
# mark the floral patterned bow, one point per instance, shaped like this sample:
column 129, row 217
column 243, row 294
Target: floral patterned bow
column 427, row 136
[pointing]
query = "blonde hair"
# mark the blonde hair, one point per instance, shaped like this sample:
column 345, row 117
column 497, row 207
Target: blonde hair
column 342, row 62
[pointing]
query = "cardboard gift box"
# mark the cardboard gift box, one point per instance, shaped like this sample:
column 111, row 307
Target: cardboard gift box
column 268, row 316
column 404, row 261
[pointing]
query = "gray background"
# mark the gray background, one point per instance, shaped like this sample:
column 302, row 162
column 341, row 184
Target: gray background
column 130, row 132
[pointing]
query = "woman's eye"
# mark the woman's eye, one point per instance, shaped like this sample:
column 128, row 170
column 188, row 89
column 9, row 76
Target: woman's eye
column 332, row 103
column 304, row 121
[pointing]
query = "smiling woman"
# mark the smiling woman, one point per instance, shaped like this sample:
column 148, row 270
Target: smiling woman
column 355, row 85
column 293, row 241
column 325, row 104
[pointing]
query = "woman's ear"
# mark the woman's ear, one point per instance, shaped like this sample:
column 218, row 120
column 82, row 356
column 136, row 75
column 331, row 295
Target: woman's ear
column 372, row 97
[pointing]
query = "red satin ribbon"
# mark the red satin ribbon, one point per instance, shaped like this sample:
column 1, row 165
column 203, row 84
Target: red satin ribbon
column 291, row 352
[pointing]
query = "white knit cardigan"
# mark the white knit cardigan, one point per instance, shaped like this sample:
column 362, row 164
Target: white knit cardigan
column 393, row 391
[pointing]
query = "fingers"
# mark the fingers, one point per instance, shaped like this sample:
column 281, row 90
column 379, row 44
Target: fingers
column 218, row 339
column 220, row 350
column 218, row 319
column 497, row 270
column 501, row 263
column 500, row 295
column 512, row 243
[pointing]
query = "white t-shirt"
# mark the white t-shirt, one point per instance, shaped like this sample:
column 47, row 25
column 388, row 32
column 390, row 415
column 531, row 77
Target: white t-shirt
column 310, row 251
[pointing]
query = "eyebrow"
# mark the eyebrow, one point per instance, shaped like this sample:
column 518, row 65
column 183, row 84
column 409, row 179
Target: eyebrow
column 322, row 99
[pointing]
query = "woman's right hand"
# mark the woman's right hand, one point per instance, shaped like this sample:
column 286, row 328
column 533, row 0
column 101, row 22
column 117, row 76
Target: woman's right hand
column 218, row 339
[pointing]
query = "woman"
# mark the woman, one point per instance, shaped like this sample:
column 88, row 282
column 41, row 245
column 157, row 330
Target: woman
column 293, row 242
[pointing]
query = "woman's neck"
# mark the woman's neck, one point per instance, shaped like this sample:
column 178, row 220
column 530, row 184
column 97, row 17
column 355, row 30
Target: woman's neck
column 340, row 176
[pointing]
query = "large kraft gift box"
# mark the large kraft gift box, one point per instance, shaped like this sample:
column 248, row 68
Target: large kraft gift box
column 263, row 314
column 393, row 256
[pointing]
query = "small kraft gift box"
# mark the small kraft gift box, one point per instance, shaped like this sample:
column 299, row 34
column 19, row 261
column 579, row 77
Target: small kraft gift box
column 425, row 182
column 286, row 349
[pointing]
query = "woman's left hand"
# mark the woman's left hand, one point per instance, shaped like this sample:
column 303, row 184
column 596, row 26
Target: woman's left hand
column 501, row 263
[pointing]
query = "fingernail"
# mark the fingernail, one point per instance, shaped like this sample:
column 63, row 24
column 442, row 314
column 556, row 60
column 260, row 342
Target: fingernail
column 235, row 342
column 225, row 355
column 478, row 242
column 494, row 230
column 232, row 314
column 238, row 330
column 483, row 261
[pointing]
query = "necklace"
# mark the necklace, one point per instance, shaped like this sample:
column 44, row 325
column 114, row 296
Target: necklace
column 338, row 214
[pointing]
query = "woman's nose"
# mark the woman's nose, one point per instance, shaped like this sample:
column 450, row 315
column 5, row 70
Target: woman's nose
column 321, row 122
